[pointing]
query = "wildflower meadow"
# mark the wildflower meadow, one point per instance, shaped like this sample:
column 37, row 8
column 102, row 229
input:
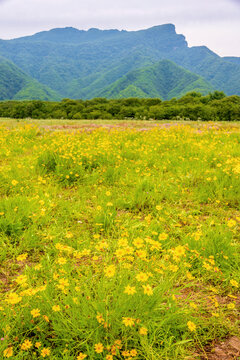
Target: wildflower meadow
column 118, row 242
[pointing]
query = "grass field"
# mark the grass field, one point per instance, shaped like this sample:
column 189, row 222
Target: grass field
column 119, row 240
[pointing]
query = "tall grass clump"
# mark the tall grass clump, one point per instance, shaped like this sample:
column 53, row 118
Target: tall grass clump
column 119, row 244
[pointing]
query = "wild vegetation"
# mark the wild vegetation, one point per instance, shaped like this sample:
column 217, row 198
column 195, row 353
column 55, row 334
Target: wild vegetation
column 118, row 244
column 193, row 106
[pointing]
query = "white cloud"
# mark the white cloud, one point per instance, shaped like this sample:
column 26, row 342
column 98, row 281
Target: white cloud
column 214, row 23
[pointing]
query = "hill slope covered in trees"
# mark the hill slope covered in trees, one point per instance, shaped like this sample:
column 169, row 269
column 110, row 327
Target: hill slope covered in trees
column 15, row 84
column 84, row 64
column 163, row 80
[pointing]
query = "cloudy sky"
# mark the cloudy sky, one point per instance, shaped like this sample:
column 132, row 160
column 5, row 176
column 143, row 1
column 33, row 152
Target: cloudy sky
column 215, row 23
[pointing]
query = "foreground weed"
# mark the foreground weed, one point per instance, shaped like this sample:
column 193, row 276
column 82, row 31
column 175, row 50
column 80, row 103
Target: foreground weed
column 118, row 244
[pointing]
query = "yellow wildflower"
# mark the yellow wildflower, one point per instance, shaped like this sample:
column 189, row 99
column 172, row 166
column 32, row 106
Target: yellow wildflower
column 14, row 182
column 234, row 283
column 143, row 331
column 69, row 235
column 8, row 352
column 35, row 313
column 191, row 326
column 22, row 257
column 142, row 254
column 231, row 223
column 38, row 267
column 142, row 277
column 98, row 348
column 190, row 276
column 110, row 271
column 133, row 352
column 26, row 345
column 130, row 290
column 45, row 352
column 138, row 243
column 128, row 321
column 147, row 289
column 100, row 318
column 13, row 298
column 46, row 318
column 81, row 356
column 21, row 279
column 163, row 236
column 179, row 251
column 61, row 261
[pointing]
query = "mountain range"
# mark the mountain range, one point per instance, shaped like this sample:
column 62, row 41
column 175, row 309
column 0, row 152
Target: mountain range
column 72, row 63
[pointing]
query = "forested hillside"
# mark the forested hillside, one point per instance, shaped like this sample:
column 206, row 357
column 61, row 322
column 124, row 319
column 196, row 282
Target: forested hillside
column 86, row 64
column 15, row 84
column 163, row 79
column 232, row 59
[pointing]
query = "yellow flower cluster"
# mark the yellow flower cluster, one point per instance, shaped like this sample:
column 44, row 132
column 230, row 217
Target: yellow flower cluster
column 115, row 240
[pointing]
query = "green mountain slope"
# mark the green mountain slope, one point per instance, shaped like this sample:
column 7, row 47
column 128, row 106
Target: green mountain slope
column 90, row 86
column 56, row 62
column 81, row 64
column 223, row 75
column 164, row 79
column 16, row 85
column 232, row 59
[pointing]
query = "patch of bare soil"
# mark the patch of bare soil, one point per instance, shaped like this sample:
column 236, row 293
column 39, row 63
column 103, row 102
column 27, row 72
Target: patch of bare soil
column 8, row 272
column 122, row 125
column 228, row 349
column 4, row 282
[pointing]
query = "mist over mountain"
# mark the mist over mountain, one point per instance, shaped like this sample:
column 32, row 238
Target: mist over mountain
column 67, row 62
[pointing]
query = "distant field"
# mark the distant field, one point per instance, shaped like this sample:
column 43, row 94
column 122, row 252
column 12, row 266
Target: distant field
column 119, row 240
column 56, row 124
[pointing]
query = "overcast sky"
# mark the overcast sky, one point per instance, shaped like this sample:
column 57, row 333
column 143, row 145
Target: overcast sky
column 214, row 23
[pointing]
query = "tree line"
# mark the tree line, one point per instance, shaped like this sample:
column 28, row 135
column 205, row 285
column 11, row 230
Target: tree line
column 215, row 106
